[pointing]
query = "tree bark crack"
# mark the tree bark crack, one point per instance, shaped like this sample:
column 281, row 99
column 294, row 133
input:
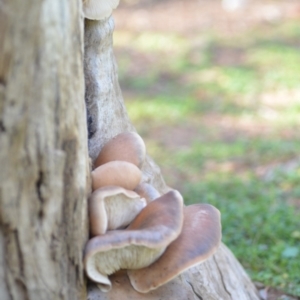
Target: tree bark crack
column 20, row 278
column 20, row 255
column 38, row 185
column 222, row 277
column 2, row 127
column 192, row 287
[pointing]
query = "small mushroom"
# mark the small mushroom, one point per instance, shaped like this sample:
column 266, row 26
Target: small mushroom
column 113, row 207
column 98, row 9
column 143, row 242
column 118, row 173
column 126, row 146
column 199, row 239
column 147, row 191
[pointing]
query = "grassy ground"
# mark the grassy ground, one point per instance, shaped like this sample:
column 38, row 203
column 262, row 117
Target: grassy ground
column 218, row 106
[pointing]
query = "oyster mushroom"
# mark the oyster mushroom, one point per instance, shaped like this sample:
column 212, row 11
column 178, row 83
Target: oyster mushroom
column 117, row 173
column 143, row 242
column 126, row 146
column 199, row 239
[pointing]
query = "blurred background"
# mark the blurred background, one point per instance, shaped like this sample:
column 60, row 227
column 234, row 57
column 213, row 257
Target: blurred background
column 213, row 87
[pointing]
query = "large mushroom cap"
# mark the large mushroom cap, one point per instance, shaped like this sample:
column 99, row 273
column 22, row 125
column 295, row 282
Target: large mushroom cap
column 199, row 239
column 126, row 146
column 98, row 9
column 117, row 173
column 113, row 207
column 147, row 237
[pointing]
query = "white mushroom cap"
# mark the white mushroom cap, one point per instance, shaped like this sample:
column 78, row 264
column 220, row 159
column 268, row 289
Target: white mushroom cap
column 113, row 207
column 199, row 239
column 147, row 191
column 126, row 146
column 98, row 9
column 117, row 173
column 146, row 238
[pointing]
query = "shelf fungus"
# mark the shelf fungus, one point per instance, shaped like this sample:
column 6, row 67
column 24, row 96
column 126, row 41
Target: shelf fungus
column 138, row 246
column 98, row 9
column 113, row 207
column 199, row 239
column 126, row 146
column 117, row 173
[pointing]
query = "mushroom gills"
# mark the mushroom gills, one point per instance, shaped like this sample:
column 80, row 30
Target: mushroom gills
column 106, row 263
column 122, row 210
column 130, row 257
column 143, row 242
column 112, row 208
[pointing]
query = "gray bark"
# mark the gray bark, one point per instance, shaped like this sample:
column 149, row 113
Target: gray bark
column 220, row 277
column 44, row 167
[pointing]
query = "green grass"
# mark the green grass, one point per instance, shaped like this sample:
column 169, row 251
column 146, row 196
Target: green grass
column 240, row 118
column 258, row 226
column 161, row 109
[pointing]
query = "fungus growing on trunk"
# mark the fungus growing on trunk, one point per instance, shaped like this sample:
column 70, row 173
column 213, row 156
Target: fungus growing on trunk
column 199, row 239
column 98, row 9
column 126, row 146
column 117, row 173
column 143, row 242
column 113, row 207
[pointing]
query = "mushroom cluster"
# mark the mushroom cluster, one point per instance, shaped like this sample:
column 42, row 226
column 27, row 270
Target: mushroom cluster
column 154, row 237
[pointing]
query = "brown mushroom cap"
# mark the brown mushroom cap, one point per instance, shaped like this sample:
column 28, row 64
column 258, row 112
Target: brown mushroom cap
column 98, row 9
column 147, row 191
column 113, row 207
column 117, row 173
column 199, row 239
column 126, row 146
column 146, row 238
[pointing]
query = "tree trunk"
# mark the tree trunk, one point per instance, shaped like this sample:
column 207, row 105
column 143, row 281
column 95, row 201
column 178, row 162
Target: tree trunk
column 44, row 178
column 221, row 276
column 43, row 150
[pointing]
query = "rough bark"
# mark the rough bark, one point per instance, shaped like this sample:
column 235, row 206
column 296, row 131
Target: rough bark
column 107, row 115
column 220, row 277
column 43, row 150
